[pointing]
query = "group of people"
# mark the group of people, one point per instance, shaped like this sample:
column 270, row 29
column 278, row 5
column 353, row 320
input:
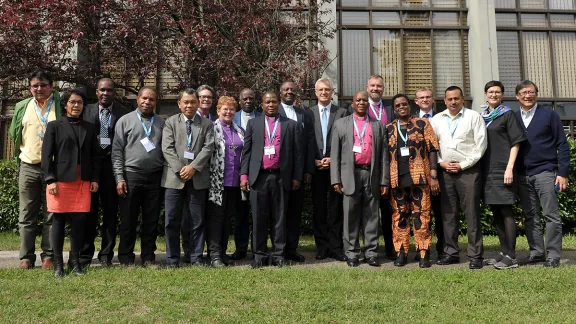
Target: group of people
column 372, row 168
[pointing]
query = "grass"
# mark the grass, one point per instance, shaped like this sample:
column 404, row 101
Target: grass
column 290, row 295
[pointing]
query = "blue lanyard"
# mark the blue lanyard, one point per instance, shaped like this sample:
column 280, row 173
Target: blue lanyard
column 404, row 138
column 379, row 116
column 271, row 136
column 361, row 135
column 43, row 119
column 148, row 131
column 457, row 124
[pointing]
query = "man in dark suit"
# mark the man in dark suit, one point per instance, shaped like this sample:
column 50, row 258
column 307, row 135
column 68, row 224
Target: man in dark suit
column 247, row 111
column 383, row 114
column 296, row 201
column 104, row 114
column 359, row 170
column 326, row 203
column 271, row 169
column 187, row 145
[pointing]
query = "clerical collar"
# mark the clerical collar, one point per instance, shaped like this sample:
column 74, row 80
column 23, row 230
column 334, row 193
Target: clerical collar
column 374, row 103
column 287, row 106
column 247, row 113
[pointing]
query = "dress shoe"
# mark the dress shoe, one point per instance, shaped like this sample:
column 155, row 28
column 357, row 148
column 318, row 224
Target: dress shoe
column 338, row 256
column 401, row 260
column 238, row 255
column 424, row 262
column 476, row 264
column 552, row 263
column 47, row 264
column 256, row 264
column 26, row 264
column 105, row 263
column 532, row 259
column 373, row 261
column 217, row 263
column 278, row 263
column 321, row 255
column 447, row 260
column 295, row 257
column 353, row 262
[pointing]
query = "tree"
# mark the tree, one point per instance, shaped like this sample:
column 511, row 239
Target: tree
column 228, row 44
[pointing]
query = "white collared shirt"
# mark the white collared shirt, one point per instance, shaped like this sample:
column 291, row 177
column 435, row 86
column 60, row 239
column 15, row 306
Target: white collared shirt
column 320, row 108
column 244, row 118
column 528, row 115
column 469, row 141
column 290, row 112
column 421, row 114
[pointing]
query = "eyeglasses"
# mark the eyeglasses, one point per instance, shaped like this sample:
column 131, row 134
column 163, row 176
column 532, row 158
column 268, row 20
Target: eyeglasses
column 74, row 103
column 39, row 85
column 205, row 97
column 526, row 93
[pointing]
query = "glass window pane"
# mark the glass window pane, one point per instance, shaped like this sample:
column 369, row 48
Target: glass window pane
column 355, row 18
column 388, row 59
column 562, row 20
column 561, row 4
column 354, row 3
column 355, row 60
column 537, row 61
column 514, row 105
column 385, row 18
column 445, row 3
column 415, row 3
column 509, row 66
column 565, row 63
column 417, row 61
column 445, row 19
column 416, row 18
column 385, row 3
column 505, row 4
column 533, row 4
column 506, row 20
column 566, row 109
column 447, row 61
column 534, row 20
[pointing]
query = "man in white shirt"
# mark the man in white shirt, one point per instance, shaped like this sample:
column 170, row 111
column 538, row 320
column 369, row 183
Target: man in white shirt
column 461, row 133
column 425, row 101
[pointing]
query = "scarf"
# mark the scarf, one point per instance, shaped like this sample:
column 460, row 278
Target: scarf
column 489, row 117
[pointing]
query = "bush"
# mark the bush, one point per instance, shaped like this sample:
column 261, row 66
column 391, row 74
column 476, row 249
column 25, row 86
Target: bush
column 8, row 196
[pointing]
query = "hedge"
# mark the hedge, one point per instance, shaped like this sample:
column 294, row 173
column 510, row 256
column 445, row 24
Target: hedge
column 9, row 203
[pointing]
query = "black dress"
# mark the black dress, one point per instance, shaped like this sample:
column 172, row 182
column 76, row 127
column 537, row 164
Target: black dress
column 503, row 133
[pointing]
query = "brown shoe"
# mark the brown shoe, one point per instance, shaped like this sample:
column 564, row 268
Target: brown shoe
column 25, row 264
column 47, row 264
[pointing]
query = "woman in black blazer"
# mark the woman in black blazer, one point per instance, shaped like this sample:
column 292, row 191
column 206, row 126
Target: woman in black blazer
column 71, row 168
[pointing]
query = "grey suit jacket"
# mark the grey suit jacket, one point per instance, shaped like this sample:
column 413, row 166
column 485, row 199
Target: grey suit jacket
column 335, row 114
column 174, row 144
column 291, row 162
column 342, row 156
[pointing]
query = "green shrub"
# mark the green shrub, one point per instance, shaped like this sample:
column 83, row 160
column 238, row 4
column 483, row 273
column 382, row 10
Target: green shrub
column 8, row 195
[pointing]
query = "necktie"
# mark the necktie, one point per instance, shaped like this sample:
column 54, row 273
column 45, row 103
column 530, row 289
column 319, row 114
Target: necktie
column 324, row 123
column 104, row 118
column 426, row 116
column 189, row 127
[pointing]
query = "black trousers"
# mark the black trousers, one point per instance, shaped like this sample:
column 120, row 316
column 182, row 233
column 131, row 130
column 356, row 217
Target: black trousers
column 144, row 194
column 294, row 219
column 218, row 218
column 107, row 198
column 268, row 199
column 327, row 214
column 386, row 217
column 462, row 190
column 438, row 226
column 77, row 221
column 242, row 226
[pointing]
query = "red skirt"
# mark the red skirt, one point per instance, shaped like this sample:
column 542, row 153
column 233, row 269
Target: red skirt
column 72, row 197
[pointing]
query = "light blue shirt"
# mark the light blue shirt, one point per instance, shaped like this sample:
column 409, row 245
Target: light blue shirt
column 421, row 114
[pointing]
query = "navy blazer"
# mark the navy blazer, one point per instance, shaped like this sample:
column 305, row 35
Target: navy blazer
column 238, row 117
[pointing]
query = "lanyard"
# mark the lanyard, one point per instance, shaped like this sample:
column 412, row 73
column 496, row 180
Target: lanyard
column 457, row 124
column 148, row 131
column 44, row 119
column 379, row 116
column 271, row 136
column 361, row 135
column 404, row 138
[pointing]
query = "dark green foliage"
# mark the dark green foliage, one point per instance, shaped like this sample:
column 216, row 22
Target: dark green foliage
column 8, row 196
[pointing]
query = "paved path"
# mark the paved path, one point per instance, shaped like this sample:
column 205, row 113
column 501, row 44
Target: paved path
column 9, row 259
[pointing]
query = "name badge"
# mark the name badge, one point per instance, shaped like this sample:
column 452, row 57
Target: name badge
column 452, row 145
column 189, row 155
column 149, row 146
column 404, row 151
column 105, row 141
column 269, row 150
column 357, row 149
